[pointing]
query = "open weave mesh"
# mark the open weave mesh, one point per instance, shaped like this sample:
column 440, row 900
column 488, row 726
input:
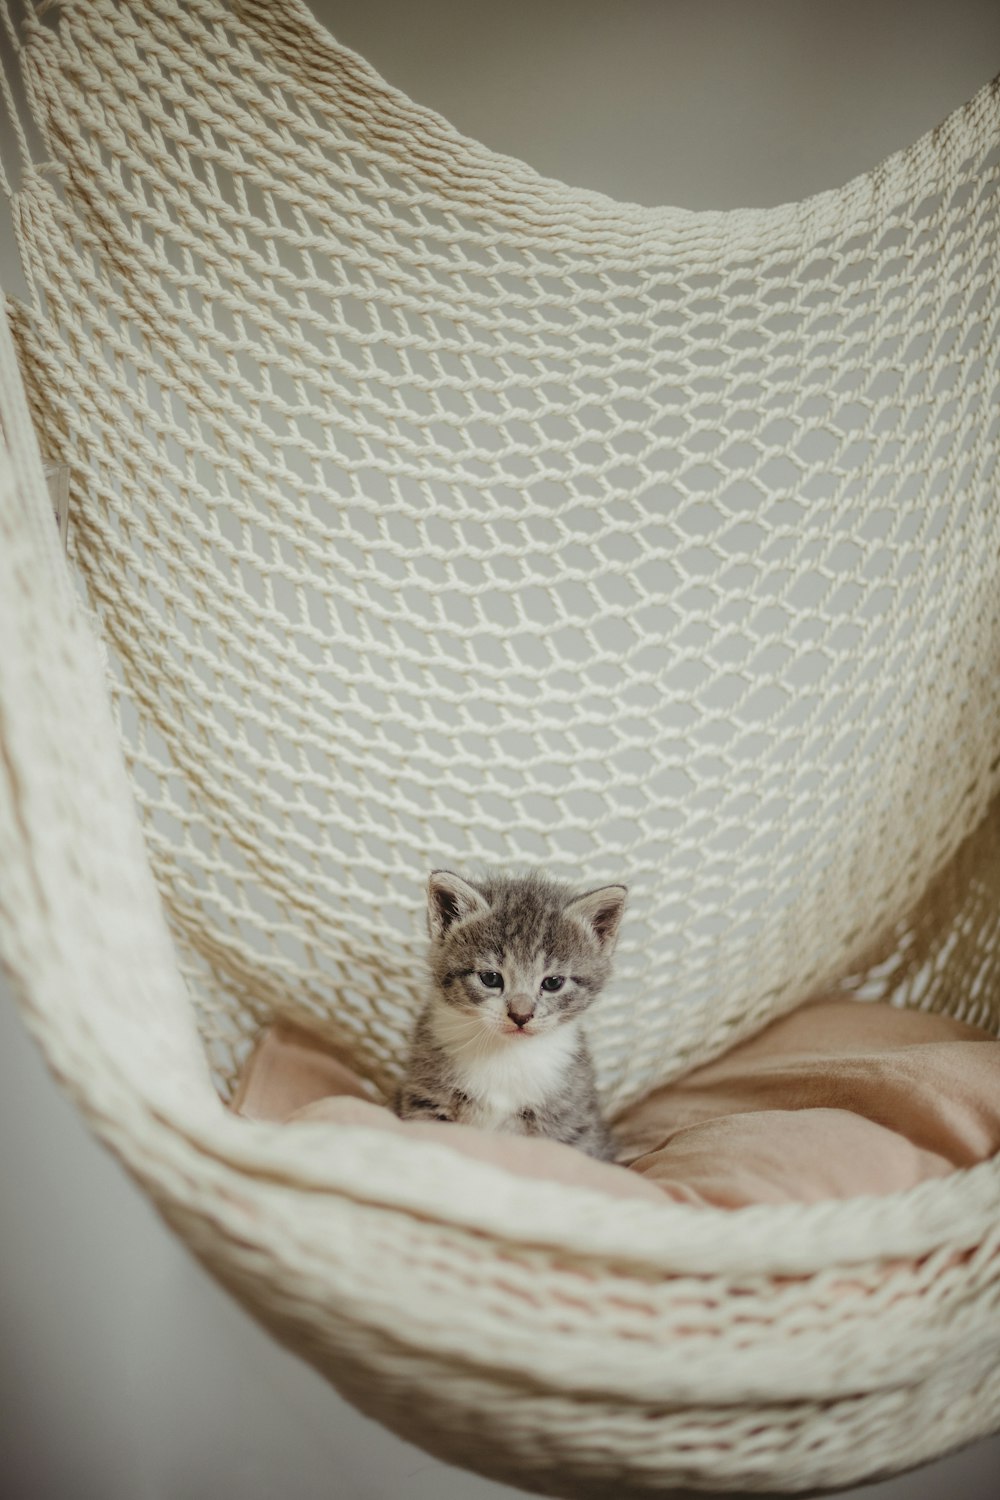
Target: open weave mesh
column 437, row 514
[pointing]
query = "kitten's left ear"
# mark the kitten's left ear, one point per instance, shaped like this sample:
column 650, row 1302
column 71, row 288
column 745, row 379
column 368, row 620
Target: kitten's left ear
column 601, row 913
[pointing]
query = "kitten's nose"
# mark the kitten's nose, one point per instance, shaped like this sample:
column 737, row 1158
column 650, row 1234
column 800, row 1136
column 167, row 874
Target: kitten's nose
column 520, row 1009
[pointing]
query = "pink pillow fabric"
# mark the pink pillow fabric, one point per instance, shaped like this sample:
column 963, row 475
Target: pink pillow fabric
column 836, row 1100
column 290, row 1078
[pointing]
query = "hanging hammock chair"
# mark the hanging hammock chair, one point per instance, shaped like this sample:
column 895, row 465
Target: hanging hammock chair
column 423, row 511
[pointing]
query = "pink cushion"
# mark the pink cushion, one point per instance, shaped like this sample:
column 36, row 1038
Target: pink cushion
column 292, row 1079
column 835, row 1100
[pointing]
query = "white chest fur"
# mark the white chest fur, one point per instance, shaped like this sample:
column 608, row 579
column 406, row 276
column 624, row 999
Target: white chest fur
column 502, row 1075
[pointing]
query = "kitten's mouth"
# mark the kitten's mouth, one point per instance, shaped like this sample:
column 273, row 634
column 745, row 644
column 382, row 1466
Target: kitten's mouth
column 516, row 1031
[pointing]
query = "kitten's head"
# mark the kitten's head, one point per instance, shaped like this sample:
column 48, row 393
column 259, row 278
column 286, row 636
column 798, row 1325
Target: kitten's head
column 522, row 953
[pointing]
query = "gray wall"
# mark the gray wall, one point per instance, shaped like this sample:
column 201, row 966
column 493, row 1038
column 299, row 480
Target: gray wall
column 124, row 1373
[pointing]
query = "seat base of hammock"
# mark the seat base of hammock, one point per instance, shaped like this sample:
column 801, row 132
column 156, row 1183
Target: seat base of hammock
column 942, row 1080
column 512, row 1433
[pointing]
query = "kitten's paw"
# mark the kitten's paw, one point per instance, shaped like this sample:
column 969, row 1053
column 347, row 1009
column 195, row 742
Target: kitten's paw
column 411, row 1106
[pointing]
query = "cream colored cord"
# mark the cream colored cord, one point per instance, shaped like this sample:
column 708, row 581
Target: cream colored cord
column 434, row 513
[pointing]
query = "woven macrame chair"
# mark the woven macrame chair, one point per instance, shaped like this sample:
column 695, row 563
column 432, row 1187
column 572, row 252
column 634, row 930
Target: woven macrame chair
column 423, row 511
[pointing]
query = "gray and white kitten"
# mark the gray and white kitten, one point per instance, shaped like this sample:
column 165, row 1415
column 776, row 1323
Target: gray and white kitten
column 514, row 963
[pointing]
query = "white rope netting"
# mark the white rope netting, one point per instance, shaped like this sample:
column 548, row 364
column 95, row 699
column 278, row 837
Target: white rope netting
column 437, row 514
column 432, row 513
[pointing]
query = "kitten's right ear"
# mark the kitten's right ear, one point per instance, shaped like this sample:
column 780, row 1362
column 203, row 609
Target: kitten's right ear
column 450, row 899
column 600, row 912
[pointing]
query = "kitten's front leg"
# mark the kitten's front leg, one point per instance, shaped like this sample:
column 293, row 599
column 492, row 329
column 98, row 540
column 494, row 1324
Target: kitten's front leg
column 424, row 1104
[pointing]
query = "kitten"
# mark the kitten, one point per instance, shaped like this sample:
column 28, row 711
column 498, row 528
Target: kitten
column 514, row 963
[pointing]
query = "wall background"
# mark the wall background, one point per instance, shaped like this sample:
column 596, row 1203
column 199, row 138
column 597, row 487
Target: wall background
column 125, row 1374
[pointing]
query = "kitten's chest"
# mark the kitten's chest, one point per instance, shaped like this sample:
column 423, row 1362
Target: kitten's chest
column 522, row 1075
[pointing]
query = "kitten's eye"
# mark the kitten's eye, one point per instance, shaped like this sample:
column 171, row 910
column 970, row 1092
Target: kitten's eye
column 553, row 982
column 491, row 979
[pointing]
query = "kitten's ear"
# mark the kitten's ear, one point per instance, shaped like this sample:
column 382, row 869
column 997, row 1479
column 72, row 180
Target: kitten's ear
column 601, row 913
column 449, row 900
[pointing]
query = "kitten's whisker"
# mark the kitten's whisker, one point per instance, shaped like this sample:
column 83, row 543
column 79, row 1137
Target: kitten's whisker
column 481, row 1036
